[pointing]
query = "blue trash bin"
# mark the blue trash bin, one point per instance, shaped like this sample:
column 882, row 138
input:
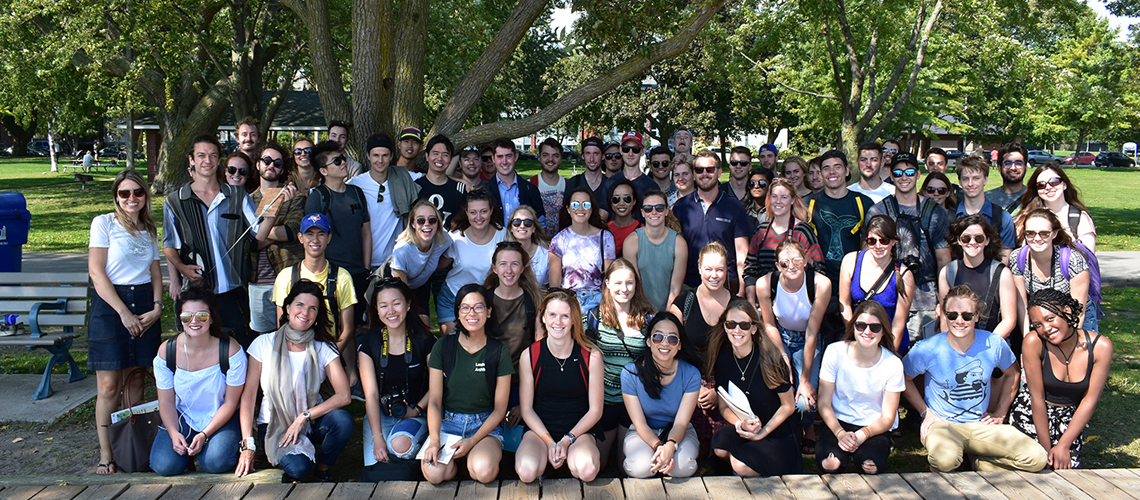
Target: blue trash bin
column 15, row 221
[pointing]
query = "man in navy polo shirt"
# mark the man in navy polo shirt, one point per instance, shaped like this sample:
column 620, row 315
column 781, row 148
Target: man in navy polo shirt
column 710, row 214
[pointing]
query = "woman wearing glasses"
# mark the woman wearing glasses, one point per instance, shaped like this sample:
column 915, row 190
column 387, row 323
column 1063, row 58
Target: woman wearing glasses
column 239, row 171
column 938, row 187
column 657, row 251
column 860, row 384
column 123, row 329
column 624, row 202
column 475, row 231
column 525, row 229
column 976, row 249
column 581, row 253
column 198, row 391
column 660, row 393
column 787, row 219
column 743, row 360
column 756, row 198
column 793, row 302
column 876, row 273
column 1049, row 260
column 419, row 252
column 307, row 176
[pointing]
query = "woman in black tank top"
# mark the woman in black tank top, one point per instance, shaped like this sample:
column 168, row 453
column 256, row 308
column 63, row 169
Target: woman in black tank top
column 560, row 393
column 1065, row 372
column 976, row 250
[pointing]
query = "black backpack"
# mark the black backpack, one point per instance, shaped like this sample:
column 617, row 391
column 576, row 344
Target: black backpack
column 223, row 354
column 325, row 196
column 926, row 213
column 809, row 276
column 490, row 361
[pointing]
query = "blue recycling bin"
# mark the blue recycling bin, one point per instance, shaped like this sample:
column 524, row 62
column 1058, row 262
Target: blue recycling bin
column 15, row 221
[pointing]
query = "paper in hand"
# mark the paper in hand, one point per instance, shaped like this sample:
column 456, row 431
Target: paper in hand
column 737, row 401
column 445, row 452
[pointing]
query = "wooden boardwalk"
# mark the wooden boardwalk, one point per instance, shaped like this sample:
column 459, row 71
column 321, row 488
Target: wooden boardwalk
column 1105, row 484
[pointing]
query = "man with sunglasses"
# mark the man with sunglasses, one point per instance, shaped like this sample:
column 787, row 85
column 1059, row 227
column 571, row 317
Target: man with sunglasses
column 487, row 159
column 936, row 162
column 739, row 168
column 661, row 169
column 338, row 133
column 890, row 149
column 1013, row 166
column 389, row 191
column 305, row 177
column 922, row 226
column 613, row 161
column 551, row 186
column 593, row 178
column 870, row 163
column 973, row 173
column 710, row 214
column 509, row 190
column 282, row 248
column 632, row 145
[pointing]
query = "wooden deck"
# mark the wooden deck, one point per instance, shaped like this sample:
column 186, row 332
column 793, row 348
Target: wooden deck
column 1107, row 484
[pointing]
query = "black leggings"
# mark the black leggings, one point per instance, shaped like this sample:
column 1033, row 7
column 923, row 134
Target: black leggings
column 875, row 448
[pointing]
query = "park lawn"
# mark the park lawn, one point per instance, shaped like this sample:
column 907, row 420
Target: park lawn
column 19, row 173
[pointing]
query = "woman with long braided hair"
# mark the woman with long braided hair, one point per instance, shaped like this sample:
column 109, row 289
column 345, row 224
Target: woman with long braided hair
column 1066, row 368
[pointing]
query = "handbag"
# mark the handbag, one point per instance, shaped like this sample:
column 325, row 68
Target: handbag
column 133, row 437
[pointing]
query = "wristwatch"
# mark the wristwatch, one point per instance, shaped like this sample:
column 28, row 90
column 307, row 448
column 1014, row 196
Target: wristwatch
column 571, row 436
column 248, row 444
column 308, row 416
column 159, row 304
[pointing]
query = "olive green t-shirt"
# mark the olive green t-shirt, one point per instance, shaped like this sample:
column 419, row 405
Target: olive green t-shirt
column 466, row 391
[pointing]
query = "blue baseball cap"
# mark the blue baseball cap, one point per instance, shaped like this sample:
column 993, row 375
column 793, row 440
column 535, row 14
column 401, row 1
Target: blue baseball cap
column 321, row 221
column 768, row 147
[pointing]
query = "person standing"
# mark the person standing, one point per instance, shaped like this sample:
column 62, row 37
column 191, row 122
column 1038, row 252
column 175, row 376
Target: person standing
column 973, row 172
column 338, row 133
column 411, row 143
column 350, row 244
column 508, row 189
column 658, row 252
column 551, row 186
column 870, row 183
column 661, row 169
column 282, row 249
column 444, row 193
column 632, row 144
column 306, row 176
column 593, row 177
column 709, row 215
column 1013, row 166
column 739, row 166
column 390, row 191
column 767, row 155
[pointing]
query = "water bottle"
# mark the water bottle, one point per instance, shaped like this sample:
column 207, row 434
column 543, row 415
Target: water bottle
column 10, row 319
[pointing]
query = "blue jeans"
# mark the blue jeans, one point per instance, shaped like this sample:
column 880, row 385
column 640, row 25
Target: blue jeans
column 218, row 455
column 331, row 431
column 794, row 346
column 413, row 428
column 589, row 299
column 466, row 425
column 1092, row 317
column 444, row 305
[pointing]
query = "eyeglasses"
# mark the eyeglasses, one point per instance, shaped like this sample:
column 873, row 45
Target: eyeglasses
column 302, row 151
column 660, row 207
column 872, row 241
column 613, row 156
column 126, row 193
column 891, row 150
column 937, row 191
column 427, row 221
column 662, row 338
column 631, row 149
column 380, row 193
column 743, row 325
column 337, row 161
column 1032, row 235
column 659, row 164
column 621, row 199
column 1010, row 163
column 788, row 264
column 862, row 327
column 1054, row 182
column 201, row 316
column 237, row 171
column 269, row 160
column 477, row 309
column 909, row 172
column 757, row 184
column 978, row 238
column 584, row 205
column 953, row 315
column 487, row 157
column 740, row 163
column 704, row 170
column 522, row 222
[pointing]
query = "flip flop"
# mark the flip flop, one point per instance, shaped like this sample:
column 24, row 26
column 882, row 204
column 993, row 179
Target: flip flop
column 108, row 468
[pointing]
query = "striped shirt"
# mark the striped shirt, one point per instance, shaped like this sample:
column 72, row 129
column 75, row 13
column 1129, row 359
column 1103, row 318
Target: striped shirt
column 762, row 249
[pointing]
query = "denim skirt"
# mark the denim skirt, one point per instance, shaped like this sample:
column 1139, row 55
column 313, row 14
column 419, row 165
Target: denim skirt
column 109, row 345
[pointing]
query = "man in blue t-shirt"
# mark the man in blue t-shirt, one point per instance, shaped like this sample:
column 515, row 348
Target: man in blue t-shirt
column 958, row 418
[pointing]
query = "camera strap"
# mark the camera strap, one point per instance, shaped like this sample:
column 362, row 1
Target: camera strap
column 384, row 360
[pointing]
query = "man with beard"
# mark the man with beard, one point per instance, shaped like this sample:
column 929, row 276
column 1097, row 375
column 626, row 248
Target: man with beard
column 890, row 149
column 710, row 214
column 767, row 156
column 248, row 136
column 550, row 184
column 338, row 133
column 592, row 177
column 282, row 249
column 305, row 176
column 739, row 165
column 1012, row 167
column 411, row 143
column 870, row 162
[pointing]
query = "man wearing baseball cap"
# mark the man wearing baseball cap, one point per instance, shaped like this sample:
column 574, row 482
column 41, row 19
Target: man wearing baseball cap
column 411, row 142
column 632, row 145
column 592, row 177
column 767, row 155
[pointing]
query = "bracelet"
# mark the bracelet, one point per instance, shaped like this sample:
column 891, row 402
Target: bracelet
column 159, row 304
column 571, row 436
column 658, row 445
column 922, row 414
column 421, row 410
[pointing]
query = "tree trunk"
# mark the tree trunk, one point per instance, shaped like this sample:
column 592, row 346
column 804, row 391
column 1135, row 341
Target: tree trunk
column 849, row 136
column 326, row 76
column 21, row 136
column 371, row 68
column 409, row 54
column 52, row 146
column 192, row 115
column 130, row 143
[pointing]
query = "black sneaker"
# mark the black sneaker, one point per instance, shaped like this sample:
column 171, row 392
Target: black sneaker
column 357, row 392
column 322, row 476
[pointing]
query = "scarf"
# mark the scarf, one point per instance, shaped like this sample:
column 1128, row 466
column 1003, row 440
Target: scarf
column 277, row 377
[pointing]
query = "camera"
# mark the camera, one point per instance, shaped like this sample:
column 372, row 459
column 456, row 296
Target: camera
column 394, row 404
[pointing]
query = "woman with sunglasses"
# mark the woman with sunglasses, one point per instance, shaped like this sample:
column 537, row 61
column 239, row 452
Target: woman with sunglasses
column 787, row 219
column 470, row 401
column 682, row 178
column 123, row 327
column 307, row 176
column 1066, row 369
column 198, row 397
column 624, row 202
column 419, row 252
column 660, row 393
column 581, row 253
column 658, row 252
column 561, row 394
column 860, row 385
column 525, row 229
column 1038, row 264
column 756, row 199
column 739, row 355
column 475, row 231
column 393, row 373
column 616, row 326
column 938, row 187
column 792, row 315
column 876, row 273
column 239, row 171
column 976, row 249
column 289, row 366
column 795, row 169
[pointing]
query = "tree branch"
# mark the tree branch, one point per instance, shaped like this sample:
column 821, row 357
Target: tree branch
column 857, row 74
column 914, row 72
column 782, row 84
column 836, row 73
column 904, row 59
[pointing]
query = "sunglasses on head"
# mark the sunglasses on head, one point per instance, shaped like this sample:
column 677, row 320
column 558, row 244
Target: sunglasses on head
column 757, row 184
column 740, row 163
column 660, row 207
column 299, row 151
column 662, row 338
column 659, row 164
column 953, row 316
column 201, row 316
column 585, row 205
column 269, row 160
column 478, row 194
column 704, row 170
column 743, row 325
column 522, row 222
column 621, row 199
column 909, row 172
column 237, row 171
column 875, row 327
column 126, row 193
column 978, row 238
column 431, row 221
column 936, row 191
column 872, row 241
column 631, row 149
column 613, row 156
column 1054, row 182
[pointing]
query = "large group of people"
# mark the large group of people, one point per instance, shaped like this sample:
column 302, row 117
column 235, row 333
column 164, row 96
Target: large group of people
column 641, row 311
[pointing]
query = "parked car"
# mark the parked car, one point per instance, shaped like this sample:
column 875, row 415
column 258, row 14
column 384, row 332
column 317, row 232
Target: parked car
column 1113, row 159
column 1039, row 156
column 952, row 157
column 1078, row 159
column 527, row 155
column 569, row 154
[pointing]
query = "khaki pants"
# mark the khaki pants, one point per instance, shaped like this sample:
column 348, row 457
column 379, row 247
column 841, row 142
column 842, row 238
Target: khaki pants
column 996, row 447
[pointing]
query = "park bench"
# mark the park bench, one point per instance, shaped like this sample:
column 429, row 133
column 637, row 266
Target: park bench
column 83, row 179
column 77, row 166
column 46, row 301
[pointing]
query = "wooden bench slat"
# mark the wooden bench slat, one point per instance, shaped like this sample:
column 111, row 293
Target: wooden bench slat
column 48, row 293
column 80, row 279
column 726, row 488
column 21, row 492
column 1012, row 485
column 268, row 492
column 1126, row 481
column 59, row 492
column 931, row 486
column 46, row 339
column 229, row 491
column 685, row 487
column 186, row 492
column 972, row 485
column 474, row 490
column 518, row 490
column 772, row 488
column 25, row 306
column 356, row 491
column 144, row 492
column 850, row 486
column 102, row 492
column 396, row 490
column 608, row 488
column 562, row 489
column 805, row 487
column 1095, row 485
column 1053, row 485
column 311, row 491
column 643, row 489
column 442, row 491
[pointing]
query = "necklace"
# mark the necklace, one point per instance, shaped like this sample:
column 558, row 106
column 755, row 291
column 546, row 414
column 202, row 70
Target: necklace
column 1072, row 351
column 747, row 364
column 561, row 363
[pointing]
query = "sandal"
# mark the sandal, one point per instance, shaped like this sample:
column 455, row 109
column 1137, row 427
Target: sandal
column 108, row 468
column 808, row 447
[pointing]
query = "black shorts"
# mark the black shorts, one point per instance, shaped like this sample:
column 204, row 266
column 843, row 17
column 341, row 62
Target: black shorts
column 613, row 415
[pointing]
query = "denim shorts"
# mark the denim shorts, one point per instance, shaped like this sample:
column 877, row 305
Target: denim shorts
column 412, row 428
column 589, row 299
column 445, row 305
column 466, row 425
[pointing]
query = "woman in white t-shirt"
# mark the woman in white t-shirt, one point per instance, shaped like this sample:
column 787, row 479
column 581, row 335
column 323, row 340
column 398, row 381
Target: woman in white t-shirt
column 290, row 365
column 525, row 229
column 419, row 252
column 123, row 328
column 198, row 398
column 475, row 232
column 859, row 387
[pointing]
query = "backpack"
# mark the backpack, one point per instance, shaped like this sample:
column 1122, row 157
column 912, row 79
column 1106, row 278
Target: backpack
column 326, row 200
column 1090, row 257
column 996, row 219
column 809, row 275
column 536, row 351
column 928, row 271
column 854, row 230
column 490, row 361
column 996, row 267
column 1065, row 253
column 330, row 290
column 223, row 354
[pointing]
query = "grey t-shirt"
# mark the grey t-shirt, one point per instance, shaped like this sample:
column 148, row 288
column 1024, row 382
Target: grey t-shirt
column 1006, row 200
column 418, row 265
column 913, row 243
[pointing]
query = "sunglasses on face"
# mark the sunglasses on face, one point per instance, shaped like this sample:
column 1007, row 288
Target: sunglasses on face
column 302, row 151
column 862, row 327
column 631, row 149
column 237, row 171
column 269, row 160
column 740, row 163
column 621, row 199
column 427, row 221
column 1010, row 163
column 613, row 156
column 743, row 325
column 872, row 241
column 522, row 222
column 757, row 184
column 126, row 193
column 936, row 191
column 704, row 170
column 487, row 157
column 659, row 164
column 909, row 172
column 1054, row 182
column 661, row 338
column 1032, row 235
column 978, row 238
column 660, row 207
column 953, row 316
column 584, row 205
column 337, row 161
column 201, row 316
column 891, row 150
column 788, row 264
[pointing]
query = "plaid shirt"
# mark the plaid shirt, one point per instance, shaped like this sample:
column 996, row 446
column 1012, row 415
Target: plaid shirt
column 282, row 254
